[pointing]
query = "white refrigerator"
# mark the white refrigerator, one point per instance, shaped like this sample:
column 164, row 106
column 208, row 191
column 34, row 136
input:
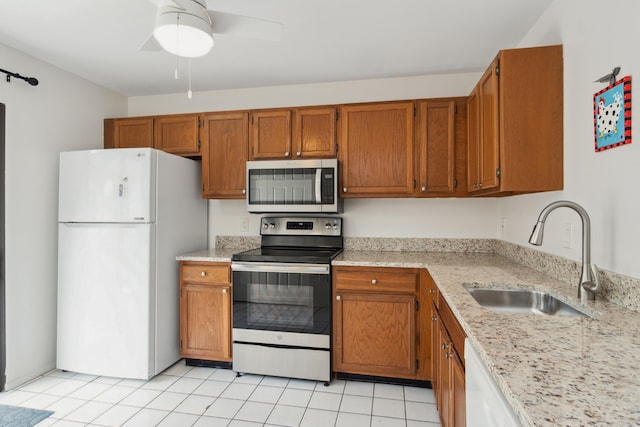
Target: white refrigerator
column 123, row 217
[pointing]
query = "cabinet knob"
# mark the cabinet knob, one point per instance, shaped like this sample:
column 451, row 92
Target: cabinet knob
column 338, row 297
column 374, row 281
column 434, row 318
column 447, row 355
column 432, row 291
column 286, row 154
column 344, row 189
column 224, row 291
column 298, row 154
column 202, row 274
column 423, row 189
column 244, row 191
column 444, row 346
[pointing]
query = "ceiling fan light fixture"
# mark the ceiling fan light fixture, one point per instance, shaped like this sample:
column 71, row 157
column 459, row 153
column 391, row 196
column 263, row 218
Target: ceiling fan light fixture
column 184, row 34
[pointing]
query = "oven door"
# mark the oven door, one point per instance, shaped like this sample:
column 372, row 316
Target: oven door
column 282, row 297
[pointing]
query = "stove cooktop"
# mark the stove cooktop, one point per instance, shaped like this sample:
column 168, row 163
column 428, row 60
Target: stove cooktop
column 299, row 255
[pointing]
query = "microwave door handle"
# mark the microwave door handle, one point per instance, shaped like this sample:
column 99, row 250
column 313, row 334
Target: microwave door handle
column 319, row 185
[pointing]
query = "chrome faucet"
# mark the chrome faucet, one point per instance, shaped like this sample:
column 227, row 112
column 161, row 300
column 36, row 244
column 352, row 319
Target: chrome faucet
column 589, row 284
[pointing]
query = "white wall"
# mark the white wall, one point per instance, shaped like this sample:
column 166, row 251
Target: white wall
column 363, row 217
column 596, row 39
column 63, row 112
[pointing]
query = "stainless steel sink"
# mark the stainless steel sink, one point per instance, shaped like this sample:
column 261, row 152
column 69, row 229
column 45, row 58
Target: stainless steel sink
column 522, row 301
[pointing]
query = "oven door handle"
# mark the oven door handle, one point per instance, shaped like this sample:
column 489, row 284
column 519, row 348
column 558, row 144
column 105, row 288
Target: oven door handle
column 279, row 267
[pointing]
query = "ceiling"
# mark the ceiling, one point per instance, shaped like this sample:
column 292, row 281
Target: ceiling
column 322, row 41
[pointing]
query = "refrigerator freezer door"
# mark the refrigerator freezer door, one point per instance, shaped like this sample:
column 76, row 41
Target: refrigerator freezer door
column 106, row 319
column 107, row 185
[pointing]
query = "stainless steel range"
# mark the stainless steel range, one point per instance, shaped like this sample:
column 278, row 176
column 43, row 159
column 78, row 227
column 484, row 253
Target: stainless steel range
column 282, row 299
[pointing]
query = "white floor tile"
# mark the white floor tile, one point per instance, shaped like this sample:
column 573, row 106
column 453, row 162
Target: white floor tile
column 353, row 420
column 328, row 401
column 167, row 401
column 418, row 394
column 414, row 423
column 84, row 377
column 114, row 393
column 286, row 415
column 335, row 386
column 88, row 412
column 295, row 397
column 185, row 385
column 66, row 387
column 205, row 421
column 65, row 406
column 199, row 372
column 359, row 388
column 302, row 384
column 224, row 408
column 116, row 415
column 223, row 375
column 211, row 388
column 68, row 423
column 318, row 418
column 146, row 417
column 377, row 421
column 249, row 379
column 356, row 404
column 238, row 391
column 176, row 419
column 132, row 382
column 140, row 397
column 178, row 369
column 40, row 401
column 90, row 391
column 256, row 412
column 108, row 380
column 275, row 381
column 240, row 423
column 388, row 408
column 41, row 384
column 16, row 397
column 266, row 394
column 422, row 411
column 160, row 382
column 388, row 391
column 61, row 374
column 195, row 404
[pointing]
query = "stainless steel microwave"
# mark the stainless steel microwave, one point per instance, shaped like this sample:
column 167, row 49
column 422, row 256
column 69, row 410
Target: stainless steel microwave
column 295, row 186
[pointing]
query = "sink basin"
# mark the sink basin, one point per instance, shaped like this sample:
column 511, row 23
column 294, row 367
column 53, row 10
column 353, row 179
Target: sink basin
column 522, row 301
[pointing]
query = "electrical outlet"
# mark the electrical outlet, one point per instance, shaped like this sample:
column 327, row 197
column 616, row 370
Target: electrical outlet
column 244, row 224
column 567, row 235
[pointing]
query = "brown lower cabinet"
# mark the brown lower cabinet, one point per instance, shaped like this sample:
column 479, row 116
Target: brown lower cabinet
column 377, row 322
column 448, row 378
column 205, row 310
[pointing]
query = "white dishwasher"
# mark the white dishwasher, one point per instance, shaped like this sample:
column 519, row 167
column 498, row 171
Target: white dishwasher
column 486, row 405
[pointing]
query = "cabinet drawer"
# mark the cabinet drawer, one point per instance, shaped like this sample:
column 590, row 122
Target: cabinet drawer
column 205, row 272
column 377, row 279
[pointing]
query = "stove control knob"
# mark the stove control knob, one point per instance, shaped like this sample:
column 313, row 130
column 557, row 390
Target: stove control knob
column 336, row 226
column 265, row 225
column 272, row 226
column 327, row 226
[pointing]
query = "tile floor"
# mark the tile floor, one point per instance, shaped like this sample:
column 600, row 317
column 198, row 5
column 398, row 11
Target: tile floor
column 193, row 396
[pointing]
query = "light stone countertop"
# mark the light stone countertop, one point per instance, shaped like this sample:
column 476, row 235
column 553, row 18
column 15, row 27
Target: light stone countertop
column 552, row 370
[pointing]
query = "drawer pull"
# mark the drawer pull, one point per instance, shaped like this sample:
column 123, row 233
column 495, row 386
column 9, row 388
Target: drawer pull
column 224, row 291
column 338, row 297
column 374, row 282
column 202, row 274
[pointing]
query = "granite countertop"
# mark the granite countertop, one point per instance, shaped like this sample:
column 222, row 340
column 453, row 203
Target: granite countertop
column 552, row 370
column 211, row 255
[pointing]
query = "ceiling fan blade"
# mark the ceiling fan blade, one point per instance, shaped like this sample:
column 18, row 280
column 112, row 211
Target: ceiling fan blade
column 151, row 44
column 229, row 24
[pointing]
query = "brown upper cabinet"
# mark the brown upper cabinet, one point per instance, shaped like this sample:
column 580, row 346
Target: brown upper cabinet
column 515, row 124
column 441, row 147
column 314, row 132
column 376, row 149
column 225, row 147
column 270, row 134
column 176, row 134
column 134, row 132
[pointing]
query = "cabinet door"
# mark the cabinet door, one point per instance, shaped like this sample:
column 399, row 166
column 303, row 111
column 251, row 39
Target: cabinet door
column 375, row 334
column 458, row 393
column 314, row 132
column 435, row 136
column 271, row 134
column 205, row 322
column 225, row 138
column 445, row 386
column 489, row 126
column 473, row 140
column 177, row 134
column 376, row 150
column 128, row 132
column 435, row 353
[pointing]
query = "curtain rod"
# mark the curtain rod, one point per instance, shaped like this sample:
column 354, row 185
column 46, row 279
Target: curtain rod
column 31, row 80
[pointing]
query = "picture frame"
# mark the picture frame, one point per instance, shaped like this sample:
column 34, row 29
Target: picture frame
column 612, row 115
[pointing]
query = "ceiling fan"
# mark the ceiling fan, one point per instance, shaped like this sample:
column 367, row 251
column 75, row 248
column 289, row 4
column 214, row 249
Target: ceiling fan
column 186, row 27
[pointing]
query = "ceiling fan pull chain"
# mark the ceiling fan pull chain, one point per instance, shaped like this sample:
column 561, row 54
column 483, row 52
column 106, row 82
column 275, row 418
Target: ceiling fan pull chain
column 189, row 93
column 176, row 74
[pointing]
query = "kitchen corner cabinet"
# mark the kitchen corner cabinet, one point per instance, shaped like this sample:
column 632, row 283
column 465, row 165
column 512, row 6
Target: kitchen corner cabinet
column 134, row 132
column 441, row 127
column 375, row 322
column 205, row 311
column 376, row 149
column 177, row 134
column 225, row 146
column 515, row 124
column 448, row 375
column 314, row 132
